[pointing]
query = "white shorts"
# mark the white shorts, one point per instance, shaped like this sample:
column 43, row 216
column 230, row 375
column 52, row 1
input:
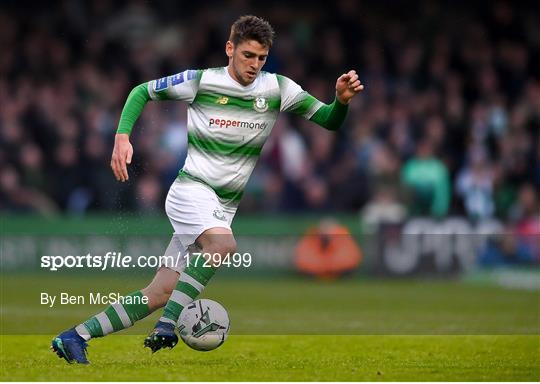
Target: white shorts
column 192, row 208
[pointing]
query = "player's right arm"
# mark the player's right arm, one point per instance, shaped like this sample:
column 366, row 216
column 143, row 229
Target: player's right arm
column 182, row 86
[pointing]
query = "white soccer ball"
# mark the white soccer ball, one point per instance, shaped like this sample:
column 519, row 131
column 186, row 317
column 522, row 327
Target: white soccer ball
column 203, row 325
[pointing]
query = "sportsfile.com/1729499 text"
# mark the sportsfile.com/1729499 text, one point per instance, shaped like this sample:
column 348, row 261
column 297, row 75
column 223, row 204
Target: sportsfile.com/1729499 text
column 118, row 260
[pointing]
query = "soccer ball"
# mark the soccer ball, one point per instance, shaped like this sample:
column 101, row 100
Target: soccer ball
column 203, row 325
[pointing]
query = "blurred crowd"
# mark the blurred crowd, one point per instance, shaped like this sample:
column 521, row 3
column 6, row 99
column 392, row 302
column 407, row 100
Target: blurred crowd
column 449, row 122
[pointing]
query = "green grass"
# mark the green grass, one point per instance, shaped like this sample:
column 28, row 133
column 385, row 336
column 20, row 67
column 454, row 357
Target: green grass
column 295, row 306
column 285, row 358
column 347, row 330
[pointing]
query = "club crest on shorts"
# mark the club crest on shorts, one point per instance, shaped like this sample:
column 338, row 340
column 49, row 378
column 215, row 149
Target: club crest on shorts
column 260, row 104
column 218, row 214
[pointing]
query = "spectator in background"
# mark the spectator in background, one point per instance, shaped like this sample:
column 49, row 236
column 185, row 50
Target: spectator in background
column 148, row 196
column 33, row 173
column 386, row 203
column 66, row 69
column 383, row 208
column 17, row 198
column 474, row 184
column 536, row 169
column 505, row 250
column 283, row 168
column 67, row 176
column 428, row 181
column 97, row 178
column 521, row 242
column 525, row 216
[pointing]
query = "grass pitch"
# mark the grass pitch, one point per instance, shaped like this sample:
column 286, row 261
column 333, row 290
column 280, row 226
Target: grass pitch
column 285, row 358
column 347, row 330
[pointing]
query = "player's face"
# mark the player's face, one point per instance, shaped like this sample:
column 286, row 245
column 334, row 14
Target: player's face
column 246, row 60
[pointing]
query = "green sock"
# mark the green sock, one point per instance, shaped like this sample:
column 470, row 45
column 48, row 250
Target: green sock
column 191, row 282
column 115, row 317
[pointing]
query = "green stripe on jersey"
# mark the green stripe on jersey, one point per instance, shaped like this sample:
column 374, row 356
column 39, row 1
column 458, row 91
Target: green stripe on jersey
column 220, row 100
column 303, row 106
column 223, row 193
column 223, row 148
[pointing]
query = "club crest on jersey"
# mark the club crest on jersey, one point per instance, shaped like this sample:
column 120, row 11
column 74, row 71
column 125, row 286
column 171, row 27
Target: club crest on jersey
column 260, row 104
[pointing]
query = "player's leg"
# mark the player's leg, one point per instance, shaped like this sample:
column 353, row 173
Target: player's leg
column 118, row 316
column 216, row 241
column 198, row 218
column 71, row 344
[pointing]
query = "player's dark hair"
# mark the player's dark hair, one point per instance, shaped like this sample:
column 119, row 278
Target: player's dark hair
column 251, row 27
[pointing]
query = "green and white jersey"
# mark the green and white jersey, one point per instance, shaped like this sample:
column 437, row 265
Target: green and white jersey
column 228, row 123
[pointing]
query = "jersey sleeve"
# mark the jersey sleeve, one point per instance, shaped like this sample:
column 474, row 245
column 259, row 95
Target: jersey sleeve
column 182, row 86
column 294, row 99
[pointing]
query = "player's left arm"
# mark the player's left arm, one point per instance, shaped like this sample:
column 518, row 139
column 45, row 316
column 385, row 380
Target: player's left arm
column 331, row 116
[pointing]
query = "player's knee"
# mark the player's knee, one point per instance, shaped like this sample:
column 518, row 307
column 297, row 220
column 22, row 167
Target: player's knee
column 229, row 246
column 223, row 246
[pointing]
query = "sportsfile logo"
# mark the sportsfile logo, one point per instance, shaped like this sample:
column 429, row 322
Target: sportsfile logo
column 226, row 123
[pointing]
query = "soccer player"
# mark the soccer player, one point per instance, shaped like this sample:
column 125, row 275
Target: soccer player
column 231, row 113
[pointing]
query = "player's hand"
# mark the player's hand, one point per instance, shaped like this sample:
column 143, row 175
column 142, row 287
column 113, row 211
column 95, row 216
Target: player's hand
column 348, row 85
column 121, row 156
